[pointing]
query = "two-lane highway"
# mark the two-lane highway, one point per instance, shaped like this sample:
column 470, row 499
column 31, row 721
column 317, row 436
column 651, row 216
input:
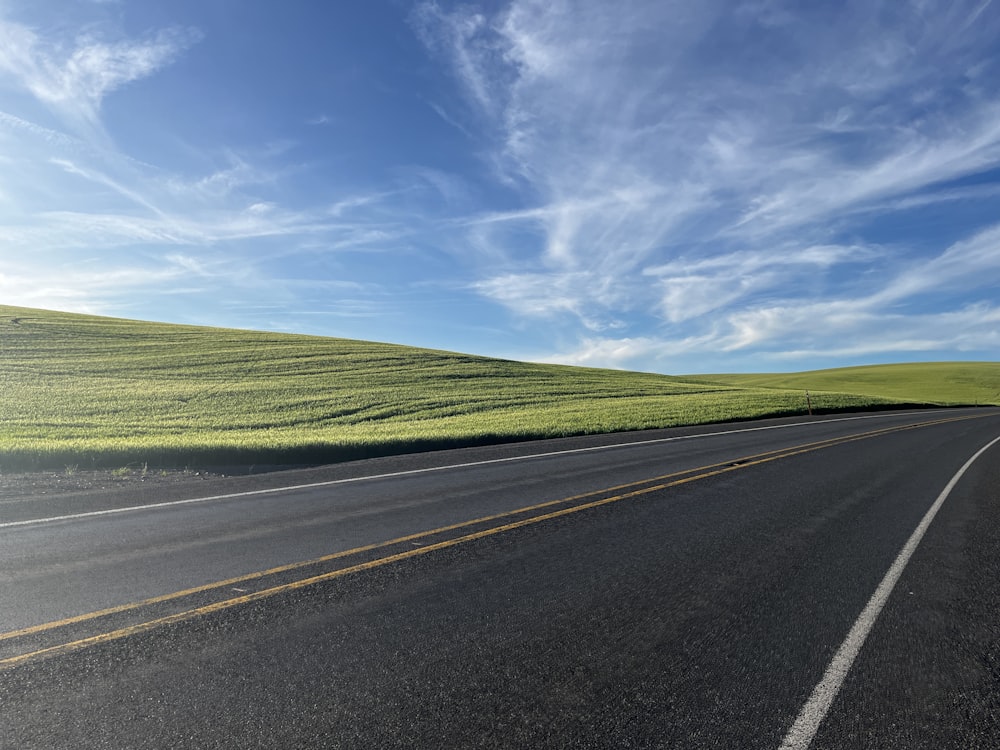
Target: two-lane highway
column 684, row 588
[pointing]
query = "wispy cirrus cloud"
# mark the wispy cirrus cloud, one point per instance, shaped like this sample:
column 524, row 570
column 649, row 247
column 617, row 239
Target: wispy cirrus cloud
column 720, row 166
column 11, row 123
column 73, row 77
column 693, row 287
column 87, row 286
column 966, row 266
column 220, row 219
column 849, row 333
column 792, row 326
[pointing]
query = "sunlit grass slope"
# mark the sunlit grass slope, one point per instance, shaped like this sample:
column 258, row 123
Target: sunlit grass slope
column 944, row 383
column 85, row 391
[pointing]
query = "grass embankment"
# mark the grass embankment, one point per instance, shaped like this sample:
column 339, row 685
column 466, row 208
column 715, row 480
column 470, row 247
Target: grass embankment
column 82, row 391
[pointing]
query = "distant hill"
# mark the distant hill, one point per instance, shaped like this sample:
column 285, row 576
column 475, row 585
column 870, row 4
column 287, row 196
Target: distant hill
column 85, row 391
column 944, row 383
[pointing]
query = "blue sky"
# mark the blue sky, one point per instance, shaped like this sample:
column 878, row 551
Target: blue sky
column 678, row 187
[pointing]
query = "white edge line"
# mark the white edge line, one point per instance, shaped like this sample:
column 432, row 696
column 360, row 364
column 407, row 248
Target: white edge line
column 801, row 735
column 425, row 470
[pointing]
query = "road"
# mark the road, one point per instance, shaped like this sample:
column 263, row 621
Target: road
column 677, row 588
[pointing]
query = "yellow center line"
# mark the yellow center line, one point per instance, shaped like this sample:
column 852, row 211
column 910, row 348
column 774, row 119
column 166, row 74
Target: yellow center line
column 368, row 548
column 707, row 471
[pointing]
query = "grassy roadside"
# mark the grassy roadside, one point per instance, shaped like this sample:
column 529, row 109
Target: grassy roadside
column 88, row 392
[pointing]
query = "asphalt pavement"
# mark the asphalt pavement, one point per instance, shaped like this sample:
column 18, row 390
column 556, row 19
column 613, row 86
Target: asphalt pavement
column 679, row 588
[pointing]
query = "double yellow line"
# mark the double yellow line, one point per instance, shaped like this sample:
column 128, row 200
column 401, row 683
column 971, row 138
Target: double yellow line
column 573, row 504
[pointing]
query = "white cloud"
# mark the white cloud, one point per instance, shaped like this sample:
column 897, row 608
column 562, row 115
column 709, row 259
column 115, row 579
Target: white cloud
column 74, row 77
column 219, row 184
column 693, row 287
column 972, row 328
column 541, row 295
column 48, row 135
column 464, row 37
column 610, row 352
column 708, row 163
column 914, row 162
column 352, row 203
column 966, row 265
column 786, row 337
column 79, row 286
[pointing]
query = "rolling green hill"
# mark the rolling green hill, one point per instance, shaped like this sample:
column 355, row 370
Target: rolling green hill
column 943, row 383
column 86, row 391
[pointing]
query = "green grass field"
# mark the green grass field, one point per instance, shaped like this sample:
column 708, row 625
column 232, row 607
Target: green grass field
column 83, row 391
column 944, row 383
